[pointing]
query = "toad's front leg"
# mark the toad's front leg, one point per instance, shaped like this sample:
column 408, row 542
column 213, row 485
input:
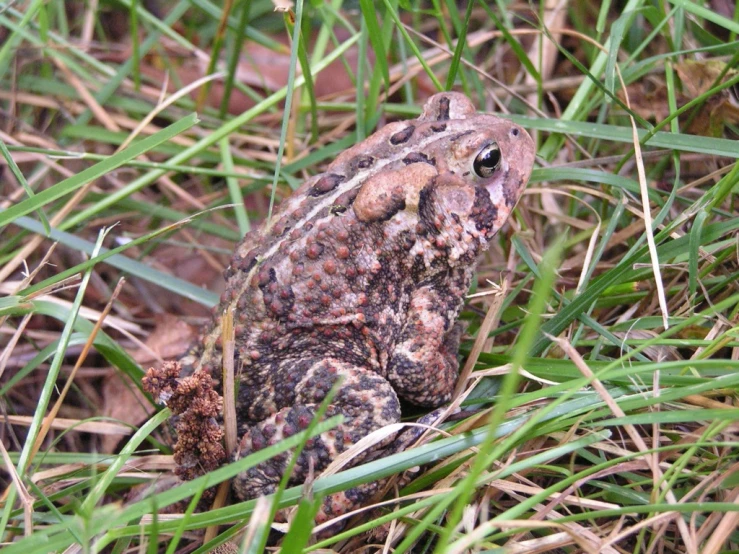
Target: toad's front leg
column 423, row 368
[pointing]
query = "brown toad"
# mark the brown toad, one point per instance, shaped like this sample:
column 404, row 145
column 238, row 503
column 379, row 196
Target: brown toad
column 361, row 276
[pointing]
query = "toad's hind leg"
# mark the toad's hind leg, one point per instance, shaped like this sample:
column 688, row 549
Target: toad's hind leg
column 340, row 503
column 364, row 398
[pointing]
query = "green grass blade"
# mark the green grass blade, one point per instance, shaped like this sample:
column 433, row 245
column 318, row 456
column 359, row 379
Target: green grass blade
column 98, row 170
column 15, row 170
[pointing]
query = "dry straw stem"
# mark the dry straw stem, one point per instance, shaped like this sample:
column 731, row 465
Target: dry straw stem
column 229, row 411
column 491, row 321
column 727, row 526
column 13, row 342
column 70, row 379
column 164, row 104
column 98, row 111
column 567, row 536
column 62, row 424
column 260, row 517
column 647, row 214
column 229, row 385
column 46, row 294
column 25, row 497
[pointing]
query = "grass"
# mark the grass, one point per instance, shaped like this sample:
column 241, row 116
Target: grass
column 601, row 376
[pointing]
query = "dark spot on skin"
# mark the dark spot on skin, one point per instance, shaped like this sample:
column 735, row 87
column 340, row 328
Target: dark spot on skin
column 458, row 136
column 514, row 132
column 266, row 276
column 402, row 136
column 362, row 162
column 278, row 299
column 438, row 127
column 406, row 240
column 511, row 196
column 426, row 210
column 347, row 198
column 247, row 264
column 282, row 227
column 393, row 205
column 243, row 265
column 484, row 212
column 325, row 184
column 337, row 210
column 418, row 157
column 443, row 108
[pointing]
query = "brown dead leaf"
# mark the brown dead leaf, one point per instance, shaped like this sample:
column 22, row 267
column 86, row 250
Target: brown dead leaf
column 123, row 402
column 170, row 339
column 719, row 109
column 699, row 76
column 648, row 98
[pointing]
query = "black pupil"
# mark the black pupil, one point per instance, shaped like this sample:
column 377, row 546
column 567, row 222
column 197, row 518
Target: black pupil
column 487, row 161
column 491, row 158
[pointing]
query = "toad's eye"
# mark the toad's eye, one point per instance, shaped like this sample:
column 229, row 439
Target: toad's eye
column 487, row 161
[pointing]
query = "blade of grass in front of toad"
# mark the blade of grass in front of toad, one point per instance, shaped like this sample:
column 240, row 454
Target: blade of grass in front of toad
column 223, row 473
column 259, row 542
column 369, row 472
column 459, row 497
column 437, row 501
column 360, row 474
column 94, row 497
column 537, row 307
column 298, row 536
